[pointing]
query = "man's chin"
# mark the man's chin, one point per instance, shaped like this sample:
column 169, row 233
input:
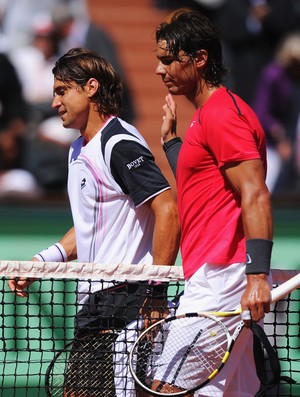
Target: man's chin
column 174, row 92
column 65, row 124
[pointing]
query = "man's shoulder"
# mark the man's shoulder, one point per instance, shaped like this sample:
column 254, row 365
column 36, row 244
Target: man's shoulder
column 118, row 130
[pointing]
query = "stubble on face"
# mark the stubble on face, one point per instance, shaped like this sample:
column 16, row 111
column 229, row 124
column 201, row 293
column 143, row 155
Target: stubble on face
column 72, row 104
column 178, row 73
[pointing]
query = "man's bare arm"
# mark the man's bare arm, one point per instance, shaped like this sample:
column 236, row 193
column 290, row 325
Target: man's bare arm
column 248, row 180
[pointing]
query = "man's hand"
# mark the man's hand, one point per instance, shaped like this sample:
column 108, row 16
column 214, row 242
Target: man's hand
column 153, row 310
column 256, row 298
column 19, row 285
column 168, row 128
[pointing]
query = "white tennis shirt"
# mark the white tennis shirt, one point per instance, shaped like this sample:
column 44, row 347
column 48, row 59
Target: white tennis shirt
column 109, row 179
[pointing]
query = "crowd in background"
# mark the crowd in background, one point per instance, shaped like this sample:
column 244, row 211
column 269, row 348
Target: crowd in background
column 261, row 39
column 33, row 144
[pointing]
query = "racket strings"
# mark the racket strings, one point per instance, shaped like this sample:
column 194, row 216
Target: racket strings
column 87, row 370
column 183, row 355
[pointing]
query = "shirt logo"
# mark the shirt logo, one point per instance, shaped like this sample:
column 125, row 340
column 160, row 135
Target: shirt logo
column 135, row 163
column 83, row 183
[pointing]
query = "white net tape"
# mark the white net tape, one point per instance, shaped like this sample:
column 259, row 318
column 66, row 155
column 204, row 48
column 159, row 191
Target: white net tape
column 97, row 271
column 92, row 271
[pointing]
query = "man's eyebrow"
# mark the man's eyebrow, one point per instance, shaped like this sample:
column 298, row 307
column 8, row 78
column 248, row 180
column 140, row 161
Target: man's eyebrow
column 58, row 88
column 61, row 85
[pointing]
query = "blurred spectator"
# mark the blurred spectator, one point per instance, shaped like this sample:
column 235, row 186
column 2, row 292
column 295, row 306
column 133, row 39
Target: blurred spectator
column 251, row 30
column 34, row 63
column 12, row 116
column 16, row 26
column 48, row 143
column 15, row 180
column 29, row 40
column 277, row 104
column 75, row 29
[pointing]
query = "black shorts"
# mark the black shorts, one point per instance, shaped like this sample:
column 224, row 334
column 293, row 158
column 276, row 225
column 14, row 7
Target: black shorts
column 111, row 309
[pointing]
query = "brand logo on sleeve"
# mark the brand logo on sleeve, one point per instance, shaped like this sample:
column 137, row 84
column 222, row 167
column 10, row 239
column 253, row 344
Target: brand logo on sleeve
column 136, row 163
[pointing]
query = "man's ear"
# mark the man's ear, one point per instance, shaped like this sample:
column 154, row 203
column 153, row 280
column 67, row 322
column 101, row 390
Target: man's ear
column 91, row 87
column 201, row 58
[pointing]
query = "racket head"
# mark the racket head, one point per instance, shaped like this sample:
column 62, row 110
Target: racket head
column 83, row 367
column 55, row 374
column 184, row 352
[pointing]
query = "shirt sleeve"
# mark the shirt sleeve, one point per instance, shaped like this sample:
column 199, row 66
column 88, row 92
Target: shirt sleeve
column 232, row 139
column 134, row 169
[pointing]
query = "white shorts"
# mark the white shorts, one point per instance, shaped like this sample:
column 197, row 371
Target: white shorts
column 219, row 288
column 124, row 382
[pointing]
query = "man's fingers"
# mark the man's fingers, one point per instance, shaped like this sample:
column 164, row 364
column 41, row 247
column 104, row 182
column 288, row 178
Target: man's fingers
column 19, row 286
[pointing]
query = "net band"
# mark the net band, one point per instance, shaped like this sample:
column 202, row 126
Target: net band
column 96, row 271
column 91, row 271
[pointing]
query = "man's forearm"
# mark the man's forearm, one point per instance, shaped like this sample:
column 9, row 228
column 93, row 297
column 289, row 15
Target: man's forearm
column 68, row 241
column 166, row 237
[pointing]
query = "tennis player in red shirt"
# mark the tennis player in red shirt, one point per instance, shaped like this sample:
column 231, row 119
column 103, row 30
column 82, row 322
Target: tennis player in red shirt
column 224, row 204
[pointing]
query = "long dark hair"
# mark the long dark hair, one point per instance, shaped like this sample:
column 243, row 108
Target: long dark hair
column 79, row 65
column 191, row 31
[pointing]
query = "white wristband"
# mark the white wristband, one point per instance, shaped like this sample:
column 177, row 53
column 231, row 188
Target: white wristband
column 55, row 253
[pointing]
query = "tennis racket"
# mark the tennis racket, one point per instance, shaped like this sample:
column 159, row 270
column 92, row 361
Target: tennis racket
column 181, row 354
column 84, row 367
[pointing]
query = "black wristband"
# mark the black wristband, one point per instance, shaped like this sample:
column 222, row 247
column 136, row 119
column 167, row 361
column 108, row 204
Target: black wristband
column 258, row 253
column 170, row 143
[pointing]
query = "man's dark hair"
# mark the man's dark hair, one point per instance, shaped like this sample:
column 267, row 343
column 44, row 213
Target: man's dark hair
column 79, row 65
column 191, row 31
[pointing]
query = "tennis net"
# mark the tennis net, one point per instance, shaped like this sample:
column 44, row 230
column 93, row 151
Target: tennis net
column 35, row 330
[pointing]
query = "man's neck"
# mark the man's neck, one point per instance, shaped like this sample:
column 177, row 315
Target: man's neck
column 94, row 126
column 204, row 94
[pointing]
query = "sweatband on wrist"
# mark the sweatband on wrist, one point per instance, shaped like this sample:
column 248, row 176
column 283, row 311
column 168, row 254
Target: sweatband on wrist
column 55, row 253
column 258, row 253
column 172, row 149
column 171, row 142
